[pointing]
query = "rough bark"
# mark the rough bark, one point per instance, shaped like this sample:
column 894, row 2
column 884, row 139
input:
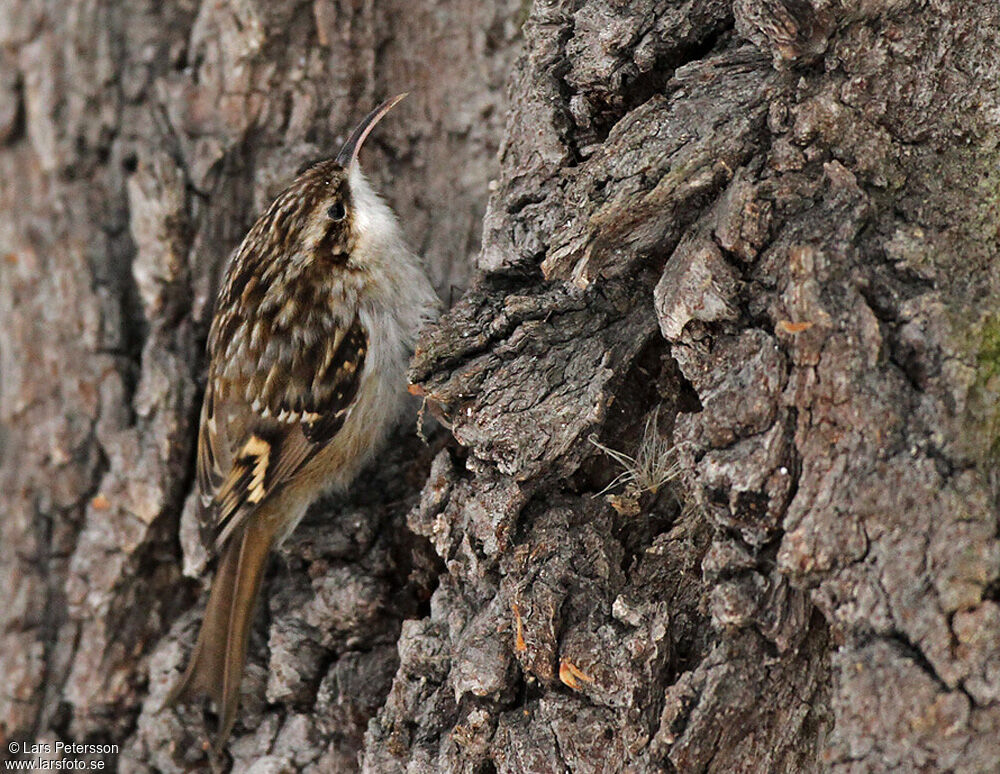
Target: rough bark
column 751, row 245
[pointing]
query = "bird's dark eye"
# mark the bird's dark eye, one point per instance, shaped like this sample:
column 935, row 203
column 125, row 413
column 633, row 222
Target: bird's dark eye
column 336, row 211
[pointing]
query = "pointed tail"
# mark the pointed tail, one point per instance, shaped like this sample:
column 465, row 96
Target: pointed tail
column 216, row 665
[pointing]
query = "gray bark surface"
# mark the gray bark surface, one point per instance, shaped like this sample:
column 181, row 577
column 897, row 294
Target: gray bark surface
column 750, row 245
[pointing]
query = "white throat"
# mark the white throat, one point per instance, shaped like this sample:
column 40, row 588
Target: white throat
column 375, row 226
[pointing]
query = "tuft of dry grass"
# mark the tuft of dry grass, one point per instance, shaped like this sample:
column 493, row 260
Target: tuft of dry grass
column 654, row 465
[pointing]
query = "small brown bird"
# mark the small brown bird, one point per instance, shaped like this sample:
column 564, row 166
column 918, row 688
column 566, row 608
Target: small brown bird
column 312, row 334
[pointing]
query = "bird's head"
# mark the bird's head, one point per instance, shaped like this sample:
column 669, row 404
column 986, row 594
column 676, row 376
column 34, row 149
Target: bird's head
column 330, row 216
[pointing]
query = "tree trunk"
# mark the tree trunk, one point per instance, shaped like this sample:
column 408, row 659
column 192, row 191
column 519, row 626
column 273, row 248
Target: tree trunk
column 717, row 488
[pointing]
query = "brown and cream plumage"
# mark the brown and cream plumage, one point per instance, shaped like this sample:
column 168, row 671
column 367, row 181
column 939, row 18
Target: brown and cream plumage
column 308, row 349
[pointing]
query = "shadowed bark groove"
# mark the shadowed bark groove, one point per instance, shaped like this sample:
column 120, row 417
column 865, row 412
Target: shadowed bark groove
column 761, row 232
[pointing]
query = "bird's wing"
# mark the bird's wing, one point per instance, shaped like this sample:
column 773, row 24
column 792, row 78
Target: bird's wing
column 249, row 447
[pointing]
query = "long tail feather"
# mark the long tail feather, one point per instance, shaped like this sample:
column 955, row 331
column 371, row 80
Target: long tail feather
column 219, row 655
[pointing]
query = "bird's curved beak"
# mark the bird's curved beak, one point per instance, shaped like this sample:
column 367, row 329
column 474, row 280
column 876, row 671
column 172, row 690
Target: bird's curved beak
column 350, row 150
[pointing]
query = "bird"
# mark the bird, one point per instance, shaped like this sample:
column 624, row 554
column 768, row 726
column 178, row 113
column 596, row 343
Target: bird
column 314, row 326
